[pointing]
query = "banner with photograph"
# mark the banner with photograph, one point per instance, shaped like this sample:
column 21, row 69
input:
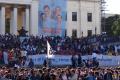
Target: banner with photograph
column 52, row 17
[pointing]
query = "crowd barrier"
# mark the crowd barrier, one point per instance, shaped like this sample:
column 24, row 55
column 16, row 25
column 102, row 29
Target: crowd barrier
column 104, row 60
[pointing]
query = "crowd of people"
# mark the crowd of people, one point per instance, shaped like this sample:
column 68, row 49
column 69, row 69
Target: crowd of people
column 59, row 73
column 15, row 48
column 38, row 44
column 77, row 61
column 14, row 51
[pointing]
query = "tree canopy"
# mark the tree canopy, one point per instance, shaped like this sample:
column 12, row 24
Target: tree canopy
column 116, row 27
column 111, row 25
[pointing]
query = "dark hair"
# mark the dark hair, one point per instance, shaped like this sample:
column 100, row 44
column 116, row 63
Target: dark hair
column 60, row 16
column 41, row 71
column 57, row 7
column 46, row 6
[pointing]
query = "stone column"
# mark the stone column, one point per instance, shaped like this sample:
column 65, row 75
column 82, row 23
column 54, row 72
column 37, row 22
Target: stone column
column 27, row 19
column 14, row 16
column 34, row 17
column 2, row 20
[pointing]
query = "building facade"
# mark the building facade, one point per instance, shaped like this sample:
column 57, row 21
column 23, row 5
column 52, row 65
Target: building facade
column 17, row 13
column 83, row 17
column 88, row 20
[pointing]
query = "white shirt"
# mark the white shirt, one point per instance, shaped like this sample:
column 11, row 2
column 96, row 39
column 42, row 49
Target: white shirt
column 5, row 56
column 116, row 49
column 74, row 77
column 23, row 53
column 94, row 55
column 64, row 77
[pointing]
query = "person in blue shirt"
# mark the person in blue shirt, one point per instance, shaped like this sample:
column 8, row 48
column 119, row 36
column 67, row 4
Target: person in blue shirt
column 90, row 76
column 47, row 23
column 31, row 63
column 59, row 26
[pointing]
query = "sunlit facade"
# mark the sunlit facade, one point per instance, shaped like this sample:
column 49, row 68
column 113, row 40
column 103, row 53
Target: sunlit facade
column 83, row 17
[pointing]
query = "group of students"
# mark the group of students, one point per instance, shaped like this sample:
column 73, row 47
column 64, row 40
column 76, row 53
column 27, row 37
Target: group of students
column 32, row 45
column 77, row 61
column 67, row 73
column 13, row 48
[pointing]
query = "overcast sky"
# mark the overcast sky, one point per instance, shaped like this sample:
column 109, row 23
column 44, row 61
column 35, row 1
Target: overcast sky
column 113, row 6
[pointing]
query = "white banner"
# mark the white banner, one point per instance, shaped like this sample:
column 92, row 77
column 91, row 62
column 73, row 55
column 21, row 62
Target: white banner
column 104, row 60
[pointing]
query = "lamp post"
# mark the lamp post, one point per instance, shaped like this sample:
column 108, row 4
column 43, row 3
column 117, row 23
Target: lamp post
column 95, row 30
column 82, row 33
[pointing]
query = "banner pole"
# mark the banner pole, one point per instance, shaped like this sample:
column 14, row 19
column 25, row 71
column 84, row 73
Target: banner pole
column 47, row 62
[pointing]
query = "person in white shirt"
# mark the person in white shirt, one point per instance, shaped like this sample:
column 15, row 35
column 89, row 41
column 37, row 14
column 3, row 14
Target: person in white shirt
column 94, row 55
column 23, row 53
column 5, row 56
column 64, row 76
column 74, row 75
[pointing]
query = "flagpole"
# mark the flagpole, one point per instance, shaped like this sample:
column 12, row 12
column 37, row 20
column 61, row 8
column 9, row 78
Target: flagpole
column 48, row 53
column 47, row 60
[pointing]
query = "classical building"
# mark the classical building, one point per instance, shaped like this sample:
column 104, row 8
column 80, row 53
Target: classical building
column 17, row 13
column 83, row 17
column 88, row 17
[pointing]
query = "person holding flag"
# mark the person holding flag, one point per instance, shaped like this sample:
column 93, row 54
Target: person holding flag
column 47, row 62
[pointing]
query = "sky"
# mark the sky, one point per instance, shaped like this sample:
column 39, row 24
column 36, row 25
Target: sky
column 113, row 6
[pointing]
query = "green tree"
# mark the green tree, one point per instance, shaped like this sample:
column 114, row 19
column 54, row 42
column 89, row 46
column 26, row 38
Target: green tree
column 107, row 25
column 116, row 27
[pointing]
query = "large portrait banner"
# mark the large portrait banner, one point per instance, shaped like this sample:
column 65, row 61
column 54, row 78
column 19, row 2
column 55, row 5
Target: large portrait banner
column 52, row 17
